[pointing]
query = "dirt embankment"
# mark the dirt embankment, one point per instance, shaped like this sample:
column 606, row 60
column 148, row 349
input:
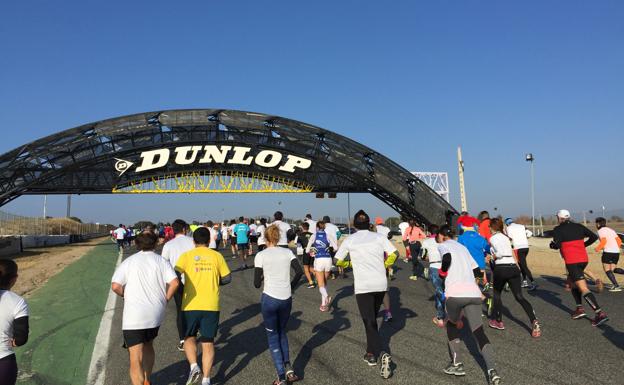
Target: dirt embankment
column 36, row 266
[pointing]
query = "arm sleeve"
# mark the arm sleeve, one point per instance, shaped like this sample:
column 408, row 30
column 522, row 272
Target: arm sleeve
column 446, row 264
column 556, row 242
column 618, row 241
column 258, row 277
column 310, row 243
column 225, row 280
column 602, row 244
column 20, row 330
column 294, row 264
column 591, row 236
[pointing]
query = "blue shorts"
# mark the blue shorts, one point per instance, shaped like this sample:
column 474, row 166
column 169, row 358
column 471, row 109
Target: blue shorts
column 204, row 322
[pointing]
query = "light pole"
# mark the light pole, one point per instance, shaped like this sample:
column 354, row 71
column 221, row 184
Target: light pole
column 530, row 158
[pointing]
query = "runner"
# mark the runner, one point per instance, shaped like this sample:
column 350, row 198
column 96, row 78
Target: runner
column 478, row 247
column 519, row 236
column 311, row 223
column 180, row 244
column 253, row 236
column 610, row 244
column 224, row 234
column 319, row 247
column 146, row 282
column 366, row 251
column 463, row 297
column 569, row 239
column 506, row 271
column 414, row 235
column 381, row 228
column 307, row 259
column 232, row 236
column 333, row 234
column 286, row 232
column 273, row 265
column 242, row 242
column 14, row 327
column 120, row 235
column 466, row 221
column 261, row 238
column 431, row 253
column 484, row 225
column 213, row 235
column 204, row 271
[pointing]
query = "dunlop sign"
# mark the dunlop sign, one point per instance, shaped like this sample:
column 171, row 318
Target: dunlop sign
column 209, row 154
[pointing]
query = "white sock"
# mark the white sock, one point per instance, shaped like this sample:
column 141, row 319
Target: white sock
column 206, row 381
column 193, row 366
column 323, row 291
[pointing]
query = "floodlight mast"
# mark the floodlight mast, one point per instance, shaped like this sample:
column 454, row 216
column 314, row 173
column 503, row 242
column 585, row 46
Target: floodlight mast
column 462, row 188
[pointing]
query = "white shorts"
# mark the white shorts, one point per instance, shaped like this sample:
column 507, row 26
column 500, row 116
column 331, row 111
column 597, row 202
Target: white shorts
column 322, row 264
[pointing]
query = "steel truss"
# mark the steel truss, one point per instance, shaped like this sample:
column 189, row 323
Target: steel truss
column 214, row 182
column 82, row 160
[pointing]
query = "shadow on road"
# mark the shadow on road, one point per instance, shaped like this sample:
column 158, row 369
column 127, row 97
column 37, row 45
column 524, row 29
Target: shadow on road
column 400, row 315
column 552, row 297
column 323, row 333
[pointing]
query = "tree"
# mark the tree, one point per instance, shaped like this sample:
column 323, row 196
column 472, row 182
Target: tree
column 142, row 224
column 616, row 218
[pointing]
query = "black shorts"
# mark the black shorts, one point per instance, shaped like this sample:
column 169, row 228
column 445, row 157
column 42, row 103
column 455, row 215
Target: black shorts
column 253, row 239
column 576, row 271
column 307, row 260
column 202, row 321
column 139, row 336
column 233, row 241
column 242, row 246
column 610, row 258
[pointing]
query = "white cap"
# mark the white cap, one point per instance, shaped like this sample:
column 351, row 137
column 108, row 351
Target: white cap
column 563, row 214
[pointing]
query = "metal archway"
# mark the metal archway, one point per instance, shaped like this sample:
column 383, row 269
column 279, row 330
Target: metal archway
column 124, row 153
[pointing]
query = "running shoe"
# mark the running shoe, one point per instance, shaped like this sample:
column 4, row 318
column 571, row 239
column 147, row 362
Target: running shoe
column 426, row 273
column 194, row 377
column 311, row 285
column 369, row 358
column 455, row 369
column 438, row 322
column 525, row 284
column 599, row 285
column 329, row 301
column 601, row 317
column 532, row 286
column 493, row 377
column 181, row 346
column 486, row 287
column 536, row 330
column 494, row 324
column 280, row 382
column 615, row 289
column 413, row 277
column 387, row 317
column 385, row 365
column 290, row 374
column 578, row 313
column 507, row 287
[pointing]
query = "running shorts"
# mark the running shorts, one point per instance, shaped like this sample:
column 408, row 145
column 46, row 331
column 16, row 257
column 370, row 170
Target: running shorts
column 233, row 241
column 243, row 246
column 576, row 271
column 253, row 239
column 202, row 321
column 610, row 258
column 139, row 336
column 307, row 259
column 322, row 264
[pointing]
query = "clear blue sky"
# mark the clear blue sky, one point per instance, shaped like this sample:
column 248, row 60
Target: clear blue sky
column 411, row 79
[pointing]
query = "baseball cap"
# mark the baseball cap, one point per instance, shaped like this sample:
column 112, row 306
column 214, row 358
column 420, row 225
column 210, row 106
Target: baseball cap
column 563, row 214
column 508, row 221
column 379, row 221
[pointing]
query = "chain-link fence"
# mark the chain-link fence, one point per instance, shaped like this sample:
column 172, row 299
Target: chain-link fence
column 11, row 224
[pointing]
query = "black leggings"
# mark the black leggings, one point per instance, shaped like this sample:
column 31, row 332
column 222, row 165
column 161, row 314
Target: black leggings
column 522, row 261
column 369, row 304
column 417, row 266
column 502, row 275
column 8, row 370
column 177, row 297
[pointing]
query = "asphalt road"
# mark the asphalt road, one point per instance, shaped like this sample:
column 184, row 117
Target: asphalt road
column 327, row 348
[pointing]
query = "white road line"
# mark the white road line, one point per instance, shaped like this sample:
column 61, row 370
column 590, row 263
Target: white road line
column 97, row 367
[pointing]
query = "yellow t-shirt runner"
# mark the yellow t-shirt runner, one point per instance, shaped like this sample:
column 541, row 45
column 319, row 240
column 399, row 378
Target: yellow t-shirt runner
column 202, row 268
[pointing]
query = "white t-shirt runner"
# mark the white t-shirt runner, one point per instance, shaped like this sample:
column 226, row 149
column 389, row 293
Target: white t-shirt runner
column 312, row 224
column 501, row 248
column 519, row 236
column 460, row 281
column 610, row 235
column 403, row 227
column 260, row 231
column 366, row 250
column 213, row 238
column 283, row 227
column 433, row 255
column 120, row 233
column 145, row 276
column 383, row 230
column 275, row 264
column 12, row 307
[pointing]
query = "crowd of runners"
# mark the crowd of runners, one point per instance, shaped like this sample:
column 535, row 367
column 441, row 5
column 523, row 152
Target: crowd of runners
column 469, row 266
